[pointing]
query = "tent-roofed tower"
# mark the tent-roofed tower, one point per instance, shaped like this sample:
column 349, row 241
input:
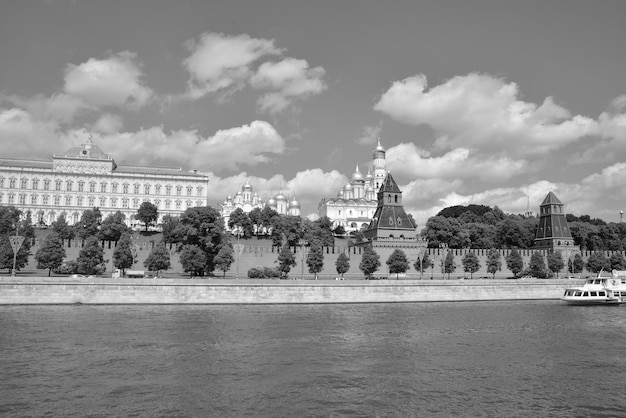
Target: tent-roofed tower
column 390, row 221
column 553, row 233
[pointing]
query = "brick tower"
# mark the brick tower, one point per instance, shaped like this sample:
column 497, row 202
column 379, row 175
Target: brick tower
column 553, row 232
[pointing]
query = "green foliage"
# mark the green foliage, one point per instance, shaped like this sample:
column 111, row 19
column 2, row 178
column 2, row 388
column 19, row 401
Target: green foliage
column 240, row 221
column 67, row 267
column 123, row 253
column 597, row 261
column 617, row 261
column 192, row 259
column 89, row 223
column 397, row 262
column 51, row 253
column 342, row 264
column 370, row 261
column 514, row 261
column 286, row 260
column 494, row 262
column 339, row 230
column 537, row 265
column 10, row 224
column 158, row 259
column 113, row 227
column 147, row 214
column 457, row 211
column 204, row 228
column 289, row 228
column 224, row 258
column 173, row 230
column 577, row 264
column 319, row 231
column 315, row 259
column 448, row 264
column 91, row 257
column 555, row 262
column 256, row 218
column 263, row 273
column 471, row 264
column 62, row 229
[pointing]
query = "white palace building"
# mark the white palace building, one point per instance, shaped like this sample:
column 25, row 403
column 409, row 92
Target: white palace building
column 356, row 202
column 84, row 177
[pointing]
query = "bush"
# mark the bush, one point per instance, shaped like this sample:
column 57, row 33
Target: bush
column 263, row 273
column 68, row 267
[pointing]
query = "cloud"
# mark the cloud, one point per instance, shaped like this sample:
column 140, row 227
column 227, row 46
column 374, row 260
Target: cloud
column 109, row 123
column 290, row 78
column 460, row 163
column 484, row 112
column 25, row 136
column 369, row 135
column 114, row 81
column 228, row 149
column 60, row 107
column 219, row 61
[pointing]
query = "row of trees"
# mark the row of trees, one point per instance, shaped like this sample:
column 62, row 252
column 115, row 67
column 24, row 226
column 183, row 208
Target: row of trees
column 478, row 226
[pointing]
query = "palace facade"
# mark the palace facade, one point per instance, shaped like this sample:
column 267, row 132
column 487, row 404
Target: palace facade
column 356, row 202
column 85, row 177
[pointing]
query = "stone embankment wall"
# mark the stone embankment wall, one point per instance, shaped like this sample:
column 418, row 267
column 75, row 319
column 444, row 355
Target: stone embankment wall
column 260, row 253
column 46, row 290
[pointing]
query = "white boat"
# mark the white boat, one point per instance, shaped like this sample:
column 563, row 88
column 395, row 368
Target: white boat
column 599, row 290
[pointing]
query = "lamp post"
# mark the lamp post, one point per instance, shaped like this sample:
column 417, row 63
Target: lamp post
column 238, row 248
column 16, row 243
column 421, row 249
column 302, row 243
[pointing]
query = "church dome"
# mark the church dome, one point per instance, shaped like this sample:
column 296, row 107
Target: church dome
column 379, row 151
column 280, row 197
column 347, row 188
column 294, row 203
column 271, row 202
column 246, row 187
column 357, row 176
column 340, row 194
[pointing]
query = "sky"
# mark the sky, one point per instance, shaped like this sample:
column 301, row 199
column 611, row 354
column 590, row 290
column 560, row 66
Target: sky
column 494, row 103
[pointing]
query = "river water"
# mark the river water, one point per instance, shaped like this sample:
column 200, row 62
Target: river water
column 523, row 358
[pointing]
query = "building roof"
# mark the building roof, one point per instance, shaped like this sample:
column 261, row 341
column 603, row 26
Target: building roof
column 389, row 185
column 551, row 199
column 9, row 162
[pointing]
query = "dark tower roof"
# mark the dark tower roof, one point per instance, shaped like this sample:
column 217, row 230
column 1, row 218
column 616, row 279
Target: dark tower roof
column 551, row 199
column 553, row 231
column 390, row 219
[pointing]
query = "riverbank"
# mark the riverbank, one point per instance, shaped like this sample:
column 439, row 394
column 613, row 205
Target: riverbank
column 63, row 290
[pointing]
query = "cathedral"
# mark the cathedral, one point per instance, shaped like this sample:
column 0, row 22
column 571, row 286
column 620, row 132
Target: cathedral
column 247, row 199
column 85, row 177
column 356, row 202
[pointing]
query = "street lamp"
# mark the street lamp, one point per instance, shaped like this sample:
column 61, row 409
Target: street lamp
column 238, row 247
column 421, row 249
column 16, row 243
column 302, row 243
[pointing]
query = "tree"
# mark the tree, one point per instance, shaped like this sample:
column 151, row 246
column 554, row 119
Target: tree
column 51, row 253
column 397, row 262
column 315, row 259
column 123, row 253
column 286, row 261
column 158, row 259
column 192, row 259
column 240, row 221
column 448, row 264
column 577, row 264
column 113, row 227
column 257, row 220
column 537, row 265
column 370, row 261
column 224, row 258
column 471, row 264
column 494, row 263
column 339, row 230
column 173, row 230
column 617, row 261
column 89, row 223
column 555, row 262
column 425, row 264
column 147, row 214
column 597, row 262
column 204, row 228
column 10, row 225
column 91, row 257
column 342, row 264
column 62, row 229
column 514, row 261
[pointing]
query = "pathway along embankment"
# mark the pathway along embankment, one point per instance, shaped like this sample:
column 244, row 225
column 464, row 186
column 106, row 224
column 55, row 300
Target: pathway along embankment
column 45, row 290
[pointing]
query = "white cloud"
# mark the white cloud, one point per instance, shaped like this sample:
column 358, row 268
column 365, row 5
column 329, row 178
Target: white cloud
column 484, row 112
column 114, row 81
column 369, row 135
column 24, row 136
column 109, row 123
column 219, row 61
column 290, row 78
column 407, row 160
column 59, row 107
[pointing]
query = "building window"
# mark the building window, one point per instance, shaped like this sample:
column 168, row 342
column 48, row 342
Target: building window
column 68, row 200
column 35, row 184
column 179, row 190
column 136, row 189
column 125, row 188
column 124, row 203
column 57, row 200
column 33, row 199
column 189, row 190
column 46, row 199
column 68, row 186
column 81, row 186
column 178, row 204
column 24, row 183
column 200, row 190
column 113, row 202
column 103, row 202
column 157, row 189
column 199, row 203
column 135, row 203
column 146, row 189
column 1, row 197
column 92, row 187
column 57, row 185
column 46, row 184
column 92, row 201
column 168, row 204
column 103, row 187
column 1, row 181
column 114, row 187
column 79, row 201
column 11, row 198
column 189, row 203
column 11, row 183
column 22, row 199
column 157, row 203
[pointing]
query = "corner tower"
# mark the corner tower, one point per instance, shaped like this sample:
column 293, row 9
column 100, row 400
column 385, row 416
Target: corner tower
column 553, row 233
